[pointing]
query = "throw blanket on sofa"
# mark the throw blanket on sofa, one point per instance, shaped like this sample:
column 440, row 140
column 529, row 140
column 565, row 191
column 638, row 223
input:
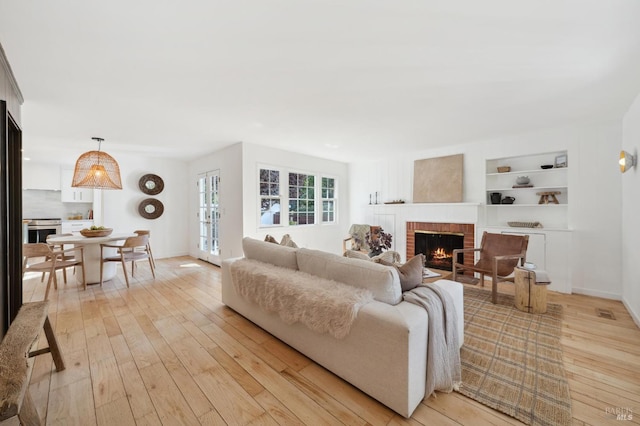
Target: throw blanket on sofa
column 324, row 306
column 444, row 372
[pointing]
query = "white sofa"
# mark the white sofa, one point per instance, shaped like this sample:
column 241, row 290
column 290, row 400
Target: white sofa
column 384, row 354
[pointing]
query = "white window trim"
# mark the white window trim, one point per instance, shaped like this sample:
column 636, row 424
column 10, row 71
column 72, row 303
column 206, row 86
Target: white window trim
column 284, row 205
column 335, row 200
column 284, row 197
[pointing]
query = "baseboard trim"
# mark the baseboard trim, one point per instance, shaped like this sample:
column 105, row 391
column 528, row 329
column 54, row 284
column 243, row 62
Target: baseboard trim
column 596, row 293
column 634, row 315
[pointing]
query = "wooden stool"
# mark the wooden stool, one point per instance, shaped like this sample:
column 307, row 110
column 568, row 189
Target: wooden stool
column 548, row 197
column 530, row 296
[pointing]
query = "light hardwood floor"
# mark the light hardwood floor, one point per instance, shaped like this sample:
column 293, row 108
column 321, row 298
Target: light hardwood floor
column 167, row 351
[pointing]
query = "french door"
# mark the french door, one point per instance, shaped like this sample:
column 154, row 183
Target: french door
column 209, row 216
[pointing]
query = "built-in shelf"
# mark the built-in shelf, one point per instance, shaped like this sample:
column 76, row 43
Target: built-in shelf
column 526, row 206
column 422, row 204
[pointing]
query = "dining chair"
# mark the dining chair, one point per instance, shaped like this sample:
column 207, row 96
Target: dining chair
column 132, row 250
column 39, row 257
column 60, row 246
column 148, row 248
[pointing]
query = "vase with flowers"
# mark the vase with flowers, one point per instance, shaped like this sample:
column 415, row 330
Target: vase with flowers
column 378, row 241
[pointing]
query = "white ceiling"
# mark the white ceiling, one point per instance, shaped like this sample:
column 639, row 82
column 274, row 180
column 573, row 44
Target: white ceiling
column 338, row 79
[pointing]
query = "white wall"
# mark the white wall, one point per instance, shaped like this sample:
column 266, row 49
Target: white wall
column 229, row 163
column 326, row 237
column 119, row 209
column 594, row 195
column 630, row 208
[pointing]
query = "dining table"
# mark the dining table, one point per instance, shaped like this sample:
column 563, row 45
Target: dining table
column 93, row 254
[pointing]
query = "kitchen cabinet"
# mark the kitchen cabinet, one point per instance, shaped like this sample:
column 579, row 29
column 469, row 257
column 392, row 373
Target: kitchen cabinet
column 40, row 176
column 70, row 226
column 71, row 194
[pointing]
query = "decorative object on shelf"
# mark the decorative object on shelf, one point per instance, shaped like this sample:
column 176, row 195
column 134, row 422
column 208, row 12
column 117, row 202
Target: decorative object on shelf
column 151, row 184
column 370, row 199
column 627, row 161
column 496, row 197
column 377, row 240
column 522, row 180
column 394, row 202
column 523, row 186
column 150, row 208
column 561, row 161
column 508, row 200
column 504, row 169
column 438, row 180
column 546, row 166
column 96, row 169
column 89, row 233
column 548, row 197
column 525, row 224
column 376, row 197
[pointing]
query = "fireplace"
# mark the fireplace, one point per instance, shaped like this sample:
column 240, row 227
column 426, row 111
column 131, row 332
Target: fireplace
column 467, row 230
column 438, row 247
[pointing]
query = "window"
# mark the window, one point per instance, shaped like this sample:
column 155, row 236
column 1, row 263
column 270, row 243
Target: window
column 328, row 199
column 301, row 199
column 269, row 197
column 292, row 198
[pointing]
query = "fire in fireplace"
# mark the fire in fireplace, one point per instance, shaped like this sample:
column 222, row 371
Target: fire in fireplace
column 438, row 247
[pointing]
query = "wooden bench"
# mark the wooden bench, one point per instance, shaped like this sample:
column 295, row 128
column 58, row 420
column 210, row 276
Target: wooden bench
column 16, row 406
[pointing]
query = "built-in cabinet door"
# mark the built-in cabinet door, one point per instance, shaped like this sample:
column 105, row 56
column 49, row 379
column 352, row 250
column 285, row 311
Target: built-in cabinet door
column 536, row 250
column 71, row 194
column 549, row 250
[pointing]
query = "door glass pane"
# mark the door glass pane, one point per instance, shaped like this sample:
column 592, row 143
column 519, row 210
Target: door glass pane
column 215, row 215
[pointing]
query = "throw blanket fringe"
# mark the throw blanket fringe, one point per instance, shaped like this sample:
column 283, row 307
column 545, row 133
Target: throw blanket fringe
column 444, row 371
column 324, row 306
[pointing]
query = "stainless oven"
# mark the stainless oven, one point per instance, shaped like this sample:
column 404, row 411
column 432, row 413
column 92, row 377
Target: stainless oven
column 39, row 229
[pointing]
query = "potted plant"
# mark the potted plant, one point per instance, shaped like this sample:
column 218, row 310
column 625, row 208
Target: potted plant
column 378, row 241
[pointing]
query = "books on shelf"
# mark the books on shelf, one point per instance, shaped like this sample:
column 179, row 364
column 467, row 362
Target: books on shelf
column 428, row 273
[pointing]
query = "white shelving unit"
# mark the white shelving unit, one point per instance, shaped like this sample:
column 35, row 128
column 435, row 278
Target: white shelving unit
column 526, row 207
column 549, row 246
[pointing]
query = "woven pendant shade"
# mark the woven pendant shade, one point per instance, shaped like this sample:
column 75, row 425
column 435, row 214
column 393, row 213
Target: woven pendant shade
column 97, row 169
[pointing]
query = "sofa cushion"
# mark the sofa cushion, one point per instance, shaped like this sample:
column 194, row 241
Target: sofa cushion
column 410, row 273
column 353, row 254
column 274, row 254
column 381, row 280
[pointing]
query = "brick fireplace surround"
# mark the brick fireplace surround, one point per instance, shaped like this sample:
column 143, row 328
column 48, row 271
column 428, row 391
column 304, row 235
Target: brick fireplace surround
column 468, row 229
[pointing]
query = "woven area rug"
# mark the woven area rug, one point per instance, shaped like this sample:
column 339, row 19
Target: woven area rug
column 512, row 360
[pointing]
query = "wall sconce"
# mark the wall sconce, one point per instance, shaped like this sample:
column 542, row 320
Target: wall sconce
column 96, row 169
column 627, row 161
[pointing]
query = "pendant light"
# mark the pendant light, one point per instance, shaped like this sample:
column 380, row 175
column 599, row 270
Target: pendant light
column 97, row 169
